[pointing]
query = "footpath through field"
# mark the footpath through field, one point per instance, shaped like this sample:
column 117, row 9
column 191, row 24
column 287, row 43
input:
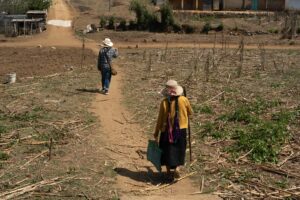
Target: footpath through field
column 125, row 143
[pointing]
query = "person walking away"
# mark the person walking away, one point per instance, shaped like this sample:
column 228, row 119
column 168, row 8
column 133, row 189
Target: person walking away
column 106, row 54
column 171, row 128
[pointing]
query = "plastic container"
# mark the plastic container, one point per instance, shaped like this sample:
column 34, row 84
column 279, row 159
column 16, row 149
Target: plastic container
column 11, row 78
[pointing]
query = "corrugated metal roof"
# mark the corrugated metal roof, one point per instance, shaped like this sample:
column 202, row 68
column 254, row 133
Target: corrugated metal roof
column 36, row 12
column 15, row 16
column 27, row 20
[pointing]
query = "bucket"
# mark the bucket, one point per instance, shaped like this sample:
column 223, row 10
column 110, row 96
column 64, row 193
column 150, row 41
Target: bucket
column 11, row 78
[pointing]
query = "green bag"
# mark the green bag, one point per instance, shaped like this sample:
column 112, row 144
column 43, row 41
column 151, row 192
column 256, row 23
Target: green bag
column 154, row 154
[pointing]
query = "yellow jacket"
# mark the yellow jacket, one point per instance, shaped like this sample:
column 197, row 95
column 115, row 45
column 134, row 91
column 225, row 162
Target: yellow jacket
column 184, row 110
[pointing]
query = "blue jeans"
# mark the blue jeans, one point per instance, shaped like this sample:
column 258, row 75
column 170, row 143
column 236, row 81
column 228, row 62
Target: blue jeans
column 106, row 78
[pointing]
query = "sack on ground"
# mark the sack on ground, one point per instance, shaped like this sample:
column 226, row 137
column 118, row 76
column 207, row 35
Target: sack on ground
column 154, row 154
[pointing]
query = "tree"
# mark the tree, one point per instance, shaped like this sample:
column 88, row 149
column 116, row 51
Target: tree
column 167, row 18
column 38, row 4
column 145, row 19
column 22, row 6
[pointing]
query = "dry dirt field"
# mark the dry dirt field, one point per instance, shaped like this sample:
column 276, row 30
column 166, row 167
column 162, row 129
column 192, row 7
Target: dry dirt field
column 238, row 127
column 61, row 139
column 42, row 61
column 45, row 127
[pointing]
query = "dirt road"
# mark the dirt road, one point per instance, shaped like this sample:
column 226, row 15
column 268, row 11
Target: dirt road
column 54, row 36
column 126, row 144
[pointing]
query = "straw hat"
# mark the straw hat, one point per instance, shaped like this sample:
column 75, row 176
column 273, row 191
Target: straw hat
column 171, row 83
column 107, row 43
column 172, row 89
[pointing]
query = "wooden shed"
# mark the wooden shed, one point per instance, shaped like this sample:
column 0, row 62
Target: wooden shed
column 37, row 14
column 275, row 5
column 232, row 4
column 2, row 30
column 271, row 5
column 27, row 26
column 33, row 22
column 14, row 26
column 191, row 4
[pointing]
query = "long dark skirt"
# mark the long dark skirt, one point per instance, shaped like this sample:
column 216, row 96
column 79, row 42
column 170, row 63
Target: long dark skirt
column 173, row 154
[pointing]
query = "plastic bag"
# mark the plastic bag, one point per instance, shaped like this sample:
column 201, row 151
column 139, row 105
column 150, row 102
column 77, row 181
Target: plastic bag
column 154, row 154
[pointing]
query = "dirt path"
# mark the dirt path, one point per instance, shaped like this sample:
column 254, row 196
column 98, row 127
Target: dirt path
column 54, row 36
column 125, row 142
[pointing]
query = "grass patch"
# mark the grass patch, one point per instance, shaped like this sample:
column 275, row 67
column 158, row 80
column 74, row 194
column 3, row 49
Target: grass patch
column 214, row 130
column 273, row 30
column 283, row 184
column 254, row 127
column 3, row 156
column 263, row 138
column 28, row 116
column 3, row 129
column 204, row 109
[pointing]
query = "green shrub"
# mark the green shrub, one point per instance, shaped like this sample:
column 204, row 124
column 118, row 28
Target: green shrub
column 102, row 22
column 285, row 117
column 3, row 129
column 236, row 28
column 38, row 4
column 167, row 18
column 132, row 25
column 263, row 139
column 177, row 28
column 241, row 114
column 141, row 13
column 207, row 128
column 111, row 23
column 220, row 27
column 206, row 28
column 292, row 42
column 275, row 31
column 27, row 116
column 21, row 6
column 145, row 19
column 3, row 156
column 214, row 130
column 203, row 109
column 139, row 9
column 246, row 113
column 123, row 25
column 152, row 23
column 188, row 28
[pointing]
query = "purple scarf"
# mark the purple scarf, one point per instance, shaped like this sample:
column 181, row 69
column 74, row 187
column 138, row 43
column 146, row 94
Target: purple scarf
column 173, row 130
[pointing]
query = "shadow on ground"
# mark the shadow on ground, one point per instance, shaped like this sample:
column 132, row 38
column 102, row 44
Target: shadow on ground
column 144, row 176
column 89, row 90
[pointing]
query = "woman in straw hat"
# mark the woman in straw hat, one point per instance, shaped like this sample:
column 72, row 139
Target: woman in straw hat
column 172, row 124
column 106, row 54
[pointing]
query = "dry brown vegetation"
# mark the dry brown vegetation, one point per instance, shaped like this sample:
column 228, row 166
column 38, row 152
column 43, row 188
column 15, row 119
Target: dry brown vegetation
column 245, row 127
column 232, row 92
column 45, row 148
